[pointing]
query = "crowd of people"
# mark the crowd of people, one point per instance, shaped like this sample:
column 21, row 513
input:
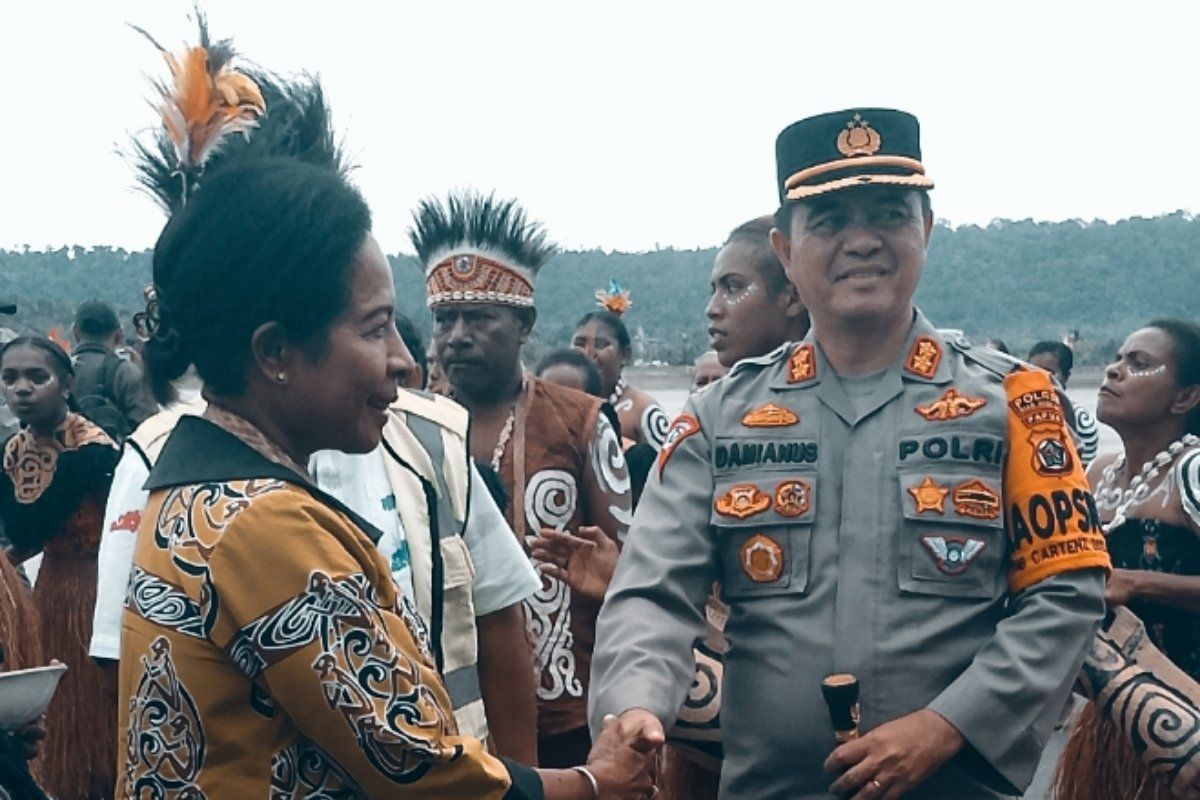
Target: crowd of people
column 289, row 550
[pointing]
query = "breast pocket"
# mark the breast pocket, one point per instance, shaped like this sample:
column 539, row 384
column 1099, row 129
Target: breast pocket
column 952, row 541
column 764, row 532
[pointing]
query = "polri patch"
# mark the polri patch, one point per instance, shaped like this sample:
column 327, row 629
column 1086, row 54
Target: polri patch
column 793, row 498
column 974, row 498
column 802, row 366
column 761, row 558
column 953, row 554
column 685, row 425
column 129, row 521
column 929, row 496
column 924, row 357
column 770, row 415
column 742, row 501
column 951, row 405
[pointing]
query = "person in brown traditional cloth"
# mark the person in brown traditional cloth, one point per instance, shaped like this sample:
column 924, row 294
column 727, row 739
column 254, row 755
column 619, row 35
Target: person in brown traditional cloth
column 603, row 337
column 1148, row 499
column 558, row 457
column 57, row 472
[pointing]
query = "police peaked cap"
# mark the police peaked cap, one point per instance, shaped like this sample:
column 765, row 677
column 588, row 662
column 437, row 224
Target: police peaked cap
column 847, row 149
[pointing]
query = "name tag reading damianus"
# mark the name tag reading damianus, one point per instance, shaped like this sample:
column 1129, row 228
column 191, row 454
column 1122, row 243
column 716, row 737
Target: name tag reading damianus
column 754, row 454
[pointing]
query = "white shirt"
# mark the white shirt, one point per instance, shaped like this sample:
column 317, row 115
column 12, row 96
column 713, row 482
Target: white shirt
column 503, row 574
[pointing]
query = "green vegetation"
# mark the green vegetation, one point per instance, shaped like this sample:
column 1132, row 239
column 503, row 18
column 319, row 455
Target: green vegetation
column 1019, row 281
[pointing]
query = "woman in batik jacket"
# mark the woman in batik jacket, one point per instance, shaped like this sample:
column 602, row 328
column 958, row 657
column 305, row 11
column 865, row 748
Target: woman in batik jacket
column 265, row 649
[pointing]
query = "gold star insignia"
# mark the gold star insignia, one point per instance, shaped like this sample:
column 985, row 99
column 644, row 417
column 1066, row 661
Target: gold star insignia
column 929, row 496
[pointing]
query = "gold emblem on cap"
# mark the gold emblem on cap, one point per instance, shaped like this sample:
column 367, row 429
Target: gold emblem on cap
column 858, row 139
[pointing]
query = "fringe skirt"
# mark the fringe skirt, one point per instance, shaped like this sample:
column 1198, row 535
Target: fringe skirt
column 78, row 758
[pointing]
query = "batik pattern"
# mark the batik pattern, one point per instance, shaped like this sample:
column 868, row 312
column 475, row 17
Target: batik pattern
column 165, row 739
column 302, row 770
column 375, row 688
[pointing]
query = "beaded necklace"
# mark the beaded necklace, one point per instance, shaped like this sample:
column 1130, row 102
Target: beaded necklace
column 1110, row 495
column 618, row 390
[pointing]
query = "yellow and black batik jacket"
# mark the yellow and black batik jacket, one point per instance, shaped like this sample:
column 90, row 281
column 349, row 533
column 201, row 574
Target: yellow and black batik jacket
column 266, row 652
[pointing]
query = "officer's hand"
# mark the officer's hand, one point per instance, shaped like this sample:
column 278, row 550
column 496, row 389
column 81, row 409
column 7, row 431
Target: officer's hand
column 643, row 729
column 894, row 758
column 622, row 761
column 585, row 561
column 1121, row 587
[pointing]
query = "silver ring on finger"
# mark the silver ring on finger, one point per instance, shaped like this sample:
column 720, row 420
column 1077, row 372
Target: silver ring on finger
column 878, row 786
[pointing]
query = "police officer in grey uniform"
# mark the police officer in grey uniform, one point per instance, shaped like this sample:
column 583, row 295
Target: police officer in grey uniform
column 881, row 499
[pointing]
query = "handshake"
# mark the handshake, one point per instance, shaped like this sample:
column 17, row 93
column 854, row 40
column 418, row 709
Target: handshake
column 623, row 757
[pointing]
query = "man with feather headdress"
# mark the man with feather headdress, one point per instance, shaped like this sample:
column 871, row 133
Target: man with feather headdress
column 557, row 456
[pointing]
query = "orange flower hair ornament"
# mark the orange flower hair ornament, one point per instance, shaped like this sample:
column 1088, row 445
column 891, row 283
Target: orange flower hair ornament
column 206, row 101
column 615, row 299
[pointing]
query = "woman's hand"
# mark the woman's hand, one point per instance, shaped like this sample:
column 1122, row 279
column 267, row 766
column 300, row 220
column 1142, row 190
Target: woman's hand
column 622, row 760
column 584, row 561
column 29, row 738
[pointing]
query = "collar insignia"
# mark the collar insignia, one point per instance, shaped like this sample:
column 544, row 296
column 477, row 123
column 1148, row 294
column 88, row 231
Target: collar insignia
column 976, row 499
column 761, row 558
column 792, row 498
column 953, row 554
column 742, row 501
column 770, row 416
column 858, row 139
column 803, row 364
column 928, row 496
column 924, row 357
column 951, row 405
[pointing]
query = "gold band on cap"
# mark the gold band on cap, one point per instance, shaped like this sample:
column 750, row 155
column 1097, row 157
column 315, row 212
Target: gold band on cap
column 902, row 162
column 472, row 278
column 913, row 181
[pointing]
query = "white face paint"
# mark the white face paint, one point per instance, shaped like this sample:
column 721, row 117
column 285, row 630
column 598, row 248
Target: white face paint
column 737, row 298
column 1146, row 373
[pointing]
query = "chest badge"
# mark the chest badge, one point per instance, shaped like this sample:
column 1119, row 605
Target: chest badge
column 792, row 498
column 924, row 357
column 929, row 496
column 742, row 501
column 951, row 405
column 953, row 554
column 761, row 558
column 770, row 416
column 802, row 366
column 976, row 499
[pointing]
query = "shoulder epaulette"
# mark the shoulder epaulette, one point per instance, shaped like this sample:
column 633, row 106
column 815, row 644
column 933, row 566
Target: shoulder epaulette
column 770, row 358
column 992, row 360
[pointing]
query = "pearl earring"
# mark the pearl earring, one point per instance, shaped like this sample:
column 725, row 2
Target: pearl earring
column 281, row 377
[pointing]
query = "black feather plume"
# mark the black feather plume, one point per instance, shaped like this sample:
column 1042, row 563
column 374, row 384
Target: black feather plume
column 474, row 220
column 297, row 124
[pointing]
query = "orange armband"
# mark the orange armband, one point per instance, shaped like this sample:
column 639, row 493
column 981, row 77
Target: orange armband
column 1050, row 515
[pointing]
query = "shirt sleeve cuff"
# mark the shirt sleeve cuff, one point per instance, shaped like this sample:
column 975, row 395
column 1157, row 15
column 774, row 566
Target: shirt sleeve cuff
column 982, row 718
column 526, row 783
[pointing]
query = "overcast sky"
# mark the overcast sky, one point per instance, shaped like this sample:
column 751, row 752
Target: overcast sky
column 626, row 125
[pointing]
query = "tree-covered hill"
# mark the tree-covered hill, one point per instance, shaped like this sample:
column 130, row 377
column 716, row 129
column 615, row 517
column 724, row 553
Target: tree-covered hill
column 1019, row 281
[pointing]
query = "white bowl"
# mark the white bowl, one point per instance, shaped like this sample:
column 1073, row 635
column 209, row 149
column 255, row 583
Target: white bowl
column 25, row 693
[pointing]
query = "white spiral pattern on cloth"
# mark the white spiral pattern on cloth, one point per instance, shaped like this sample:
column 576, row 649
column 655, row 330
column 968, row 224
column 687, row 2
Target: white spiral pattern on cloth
column 655, row 424
column 612, row 473
column 1087, row 434
column 1188, row 473
column 550, row 499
